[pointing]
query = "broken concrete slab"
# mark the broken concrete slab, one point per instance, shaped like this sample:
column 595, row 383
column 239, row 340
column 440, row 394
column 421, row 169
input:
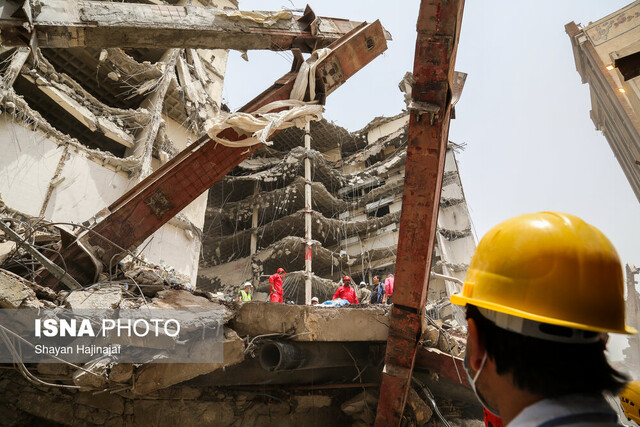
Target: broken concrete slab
column 193, row 311
column 6, row 249
column 155, row 376
column 312, row 323
column 98, row 298
column 14, row 290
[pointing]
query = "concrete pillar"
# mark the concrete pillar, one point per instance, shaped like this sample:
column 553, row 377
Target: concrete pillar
column 254, row 220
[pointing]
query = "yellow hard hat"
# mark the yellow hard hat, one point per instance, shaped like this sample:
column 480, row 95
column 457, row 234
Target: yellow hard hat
column 548, row 267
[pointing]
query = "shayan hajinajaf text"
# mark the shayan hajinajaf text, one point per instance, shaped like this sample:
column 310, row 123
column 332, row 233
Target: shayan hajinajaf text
column 88, row 350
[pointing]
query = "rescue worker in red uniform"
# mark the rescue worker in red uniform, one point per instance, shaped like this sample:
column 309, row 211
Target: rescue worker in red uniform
column 276, row 293
column 346, row 291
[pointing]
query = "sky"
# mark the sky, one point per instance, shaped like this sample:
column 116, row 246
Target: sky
column 523, row 115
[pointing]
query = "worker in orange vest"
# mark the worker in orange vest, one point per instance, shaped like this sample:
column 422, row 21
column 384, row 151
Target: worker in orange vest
column 276, row 292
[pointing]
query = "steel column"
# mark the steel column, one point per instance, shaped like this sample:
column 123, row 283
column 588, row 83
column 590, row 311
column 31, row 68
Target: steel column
column 438, row 32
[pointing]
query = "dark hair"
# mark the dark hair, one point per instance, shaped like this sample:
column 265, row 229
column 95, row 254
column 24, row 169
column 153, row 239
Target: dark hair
column 376, row 277
column 544, row 367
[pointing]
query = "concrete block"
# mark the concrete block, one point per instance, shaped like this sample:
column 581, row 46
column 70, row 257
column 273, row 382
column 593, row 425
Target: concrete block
column 104, row 297
column 313, row 401
column 313, row 323
column 13, row 291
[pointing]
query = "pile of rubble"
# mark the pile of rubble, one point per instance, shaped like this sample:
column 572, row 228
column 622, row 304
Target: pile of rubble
column 337, row 382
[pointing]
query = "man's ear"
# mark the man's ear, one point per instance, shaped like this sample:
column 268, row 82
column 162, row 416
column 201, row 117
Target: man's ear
column 475, row 349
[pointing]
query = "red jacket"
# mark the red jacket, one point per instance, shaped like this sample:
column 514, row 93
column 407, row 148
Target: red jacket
column 388, row 285
column 276, row 291
column 348, row 293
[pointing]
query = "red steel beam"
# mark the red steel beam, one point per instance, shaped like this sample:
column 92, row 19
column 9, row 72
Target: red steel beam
column 438, row 30
column 172, row 187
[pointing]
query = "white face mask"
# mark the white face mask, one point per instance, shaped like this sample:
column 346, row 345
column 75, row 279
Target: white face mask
column 473, row 380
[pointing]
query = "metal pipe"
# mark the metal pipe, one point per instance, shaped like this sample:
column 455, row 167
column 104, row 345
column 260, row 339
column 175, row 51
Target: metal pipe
column 282, row 356
column 278, row 356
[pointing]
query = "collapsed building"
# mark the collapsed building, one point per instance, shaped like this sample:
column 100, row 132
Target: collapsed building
column 256, row 215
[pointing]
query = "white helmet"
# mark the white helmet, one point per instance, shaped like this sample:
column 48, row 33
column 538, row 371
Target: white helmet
column 247, row 284
column 314, row 299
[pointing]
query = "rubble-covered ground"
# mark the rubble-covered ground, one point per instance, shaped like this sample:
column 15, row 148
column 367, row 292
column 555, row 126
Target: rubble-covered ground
column 338, row 383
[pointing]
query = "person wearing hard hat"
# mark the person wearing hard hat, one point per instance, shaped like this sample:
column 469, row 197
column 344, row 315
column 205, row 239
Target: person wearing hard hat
column 365, row 293
column 541, row 293
column 346, row 291
column 245, row 294
column 314, row 301
column 276, row 291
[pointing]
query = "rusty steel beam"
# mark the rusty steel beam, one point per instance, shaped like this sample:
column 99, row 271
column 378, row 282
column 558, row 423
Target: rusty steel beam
column 99, row 24
column 445, row 365
column 438, row 31
column 146, row 207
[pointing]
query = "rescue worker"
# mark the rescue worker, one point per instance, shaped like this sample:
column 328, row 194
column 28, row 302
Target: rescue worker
column 346, row 291
column 388, row 289
column 378, row 291
column 276, row 292
column 245, row 294
column 365, row 293
column 541, row 293
column 314, row 300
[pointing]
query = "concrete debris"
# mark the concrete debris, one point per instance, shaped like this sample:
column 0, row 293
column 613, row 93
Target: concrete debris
column 6, row 249
column 98, row 297
column 93, row 375
column 361, row 407
column 421, row 411
column 14, row 292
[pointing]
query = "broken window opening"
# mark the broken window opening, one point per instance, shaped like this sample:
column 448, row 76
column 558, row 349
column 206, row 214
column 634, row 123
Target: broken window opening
column 379, row 212
column 62, row 120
